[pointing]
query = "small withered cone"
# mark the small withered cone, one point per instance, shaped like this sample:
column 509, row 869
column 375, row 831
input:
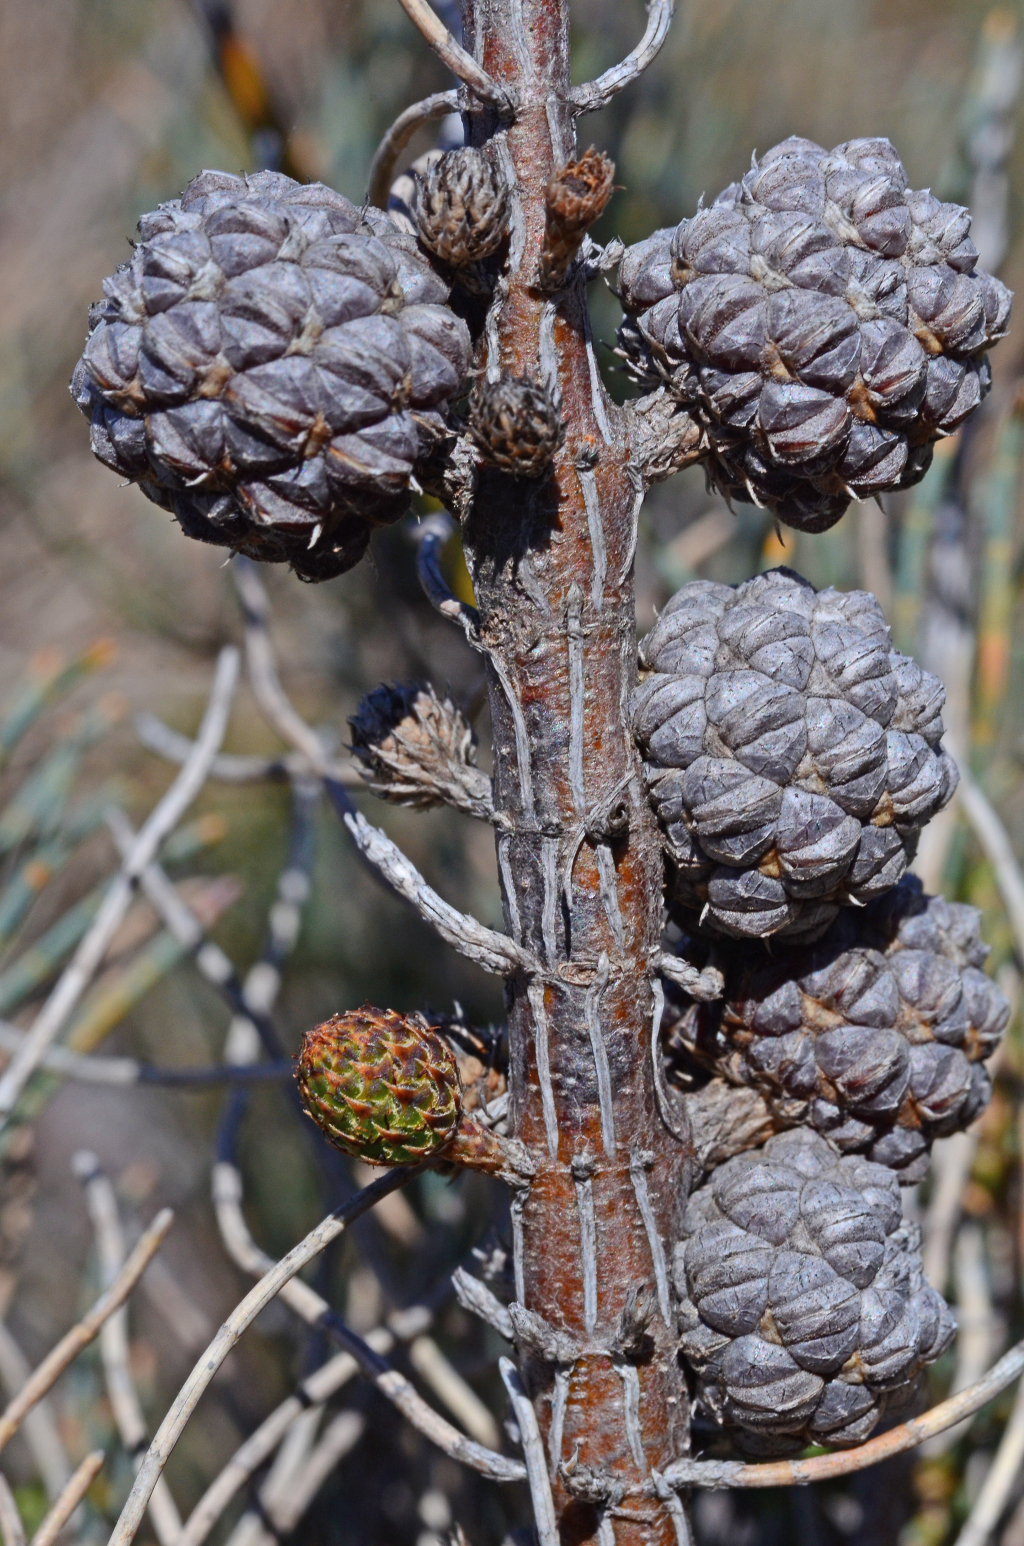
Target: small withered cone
column 577, row 195
column 384, row 1088
column 418, row 750
column 460, row 207
column 516, row 425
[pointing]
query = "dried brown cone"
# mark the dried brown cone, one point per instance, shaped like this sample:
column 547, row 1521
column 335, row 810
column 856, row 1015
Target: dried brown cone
column 418, row 750
column 577, row 196
column 516, row 425
column 460, row 206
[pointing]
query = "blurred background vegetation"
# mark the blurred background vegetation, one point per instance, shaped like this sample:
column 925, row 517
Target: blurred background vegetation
column 107, row 107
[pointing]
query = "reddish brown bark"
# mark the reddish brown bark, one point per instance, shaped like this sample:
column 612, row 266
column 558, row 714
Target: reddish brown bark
column 550, row 620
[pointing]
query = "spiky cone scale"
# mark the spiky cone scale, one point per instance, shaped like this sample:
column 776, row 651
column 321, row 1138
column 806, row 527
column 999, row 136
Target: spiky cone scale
column 876, row 1036
column 823, row 321
column 460, row 207
column 804, row 1312
column 792, row 755
column 418, row 750
column 577, row 196
column 384, row 1088
column 271, row 366
column 516, row 425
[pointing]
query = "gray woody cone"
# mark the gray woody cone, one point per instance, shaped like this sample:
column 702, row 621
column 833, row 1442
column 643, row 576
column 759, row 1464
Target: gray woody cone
column 791, row 754
column 824, row 322
column 805, row 1317
column 876, row 1036
column 270, row 366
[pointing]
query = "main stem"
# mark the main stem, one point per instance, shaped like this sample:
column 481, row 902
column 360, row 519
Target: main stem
column 579, row 857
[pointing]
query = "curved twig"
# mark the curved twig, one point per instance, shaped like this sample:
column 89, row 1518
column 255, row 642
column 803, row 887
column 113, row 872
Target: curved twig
column 114, row 1353
column 12, row 1530
column 493, row 951
column 455, row 56
column 382, row 167
column 72, row 1343
column 794, row 1473
column 405, row 1326
column 69, row 1499
column 256, row 1300
column 995, row 843
column 595, row 94
column 165, row 816
column 229, row 767
column 533, row 1449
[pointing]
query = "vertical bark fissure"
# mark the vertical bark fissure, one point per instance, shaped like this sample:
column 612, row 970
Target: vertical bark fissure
column 579, row 855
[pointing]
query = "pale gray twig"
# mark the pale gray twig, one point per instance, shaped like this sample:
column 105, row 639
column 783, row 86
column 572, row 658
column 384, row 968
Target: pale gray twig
column 995, row 843
column 998, row 1484
column 40, row 1427
column 124, row 1401
column 238, row 1321
column 455, row 56
column 976, row 1325
column 248, row 1458
column 230, row 768
column 405, row 126
column 408, row 1325
column 80, row 1335
column 69, row 1499
column 11, row 1528
column 704, row 986
column 952, row 1159
column 533, row 1453
column 76, row 977
column 478, row 1299
column 597, row 94
column 492, row 951
column 819, row 1468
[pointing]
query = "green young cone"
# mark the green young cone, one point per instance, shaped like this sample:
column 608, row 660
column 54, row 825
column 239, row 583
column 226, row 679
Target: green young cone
column 382, row 1087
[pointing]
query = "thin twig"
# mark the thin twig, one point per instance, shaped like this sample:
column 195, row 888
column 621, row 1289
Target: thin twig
column 124, row 1401
column 72, row 1343
column 404, row 128
column 490, row 950
column 76, row 977
column 596, row 94
column 262, row 669
column 230, row 768
column 230, row 1332
column 11, row 1528
column 455, row 56
column 533, row 1452
column 820, row 1468
column 977, row 1339
column 461, row 1400
column 69, row 1499
column 995, row 843
column 40, row 1427
column 998, row 1484
column 952, row 1159
column 290, row 1498
column 247, row 1459
column 704, row 986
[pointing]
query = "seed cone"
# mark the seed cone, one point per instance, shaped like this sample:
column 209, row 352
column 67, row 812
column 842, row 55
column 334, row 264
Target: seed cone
column 822, row 320
column 805, row 1314
column 791, row 754
column 516, row 425
column 460, row 207
column 875, row 1036
column 418, row 750
column 385, row 1089
column 271, row 366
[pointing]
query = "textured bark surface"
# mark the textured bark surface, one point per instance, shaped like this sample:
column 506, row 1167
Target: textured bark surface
column 579, row 856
